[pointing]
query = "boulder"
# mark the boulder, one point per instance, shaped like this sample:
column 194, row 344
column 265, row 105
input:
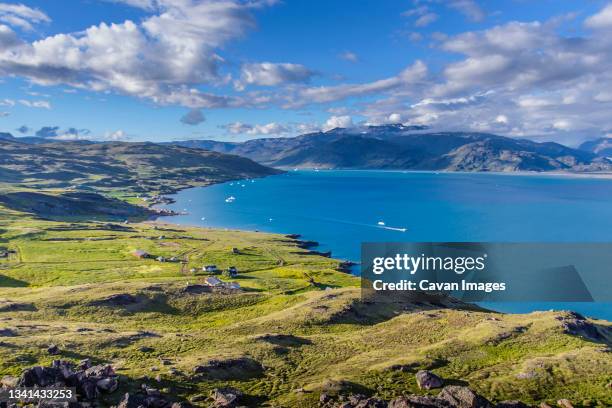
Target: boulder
column 226, row 397
column 100, row 370
column 131, row 401
column 108, row 385
column 53, row 350
column 463, row 397
column 426, row 380
column 564, row 403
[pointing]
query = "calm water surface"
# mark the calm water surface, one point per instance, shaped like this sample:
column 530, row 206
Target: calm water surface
column 341, row 209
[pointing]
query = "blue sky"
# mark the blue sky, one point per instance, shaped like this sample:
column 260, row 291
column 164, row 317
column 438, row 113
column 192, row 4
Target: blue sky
column 238, row 69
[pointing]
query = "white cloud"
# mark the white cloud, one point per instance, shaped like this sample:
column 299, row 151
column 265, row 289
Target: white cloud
column 601, row 20
column 426, row 19
column 408, row 78
column 7, row 102
column 349, row 56
column 36, row 104
column 116, row 135
column 503, row 119
column 338, row 122
column 271, row 74
column 21, row 16
column 164, row 58
column 422, row 14
column 4, row 114
column 272, row 128
column 469, row 8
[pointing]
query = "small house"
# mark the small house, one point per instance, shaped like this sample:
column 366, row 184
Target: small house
column 160, row 259
column 213, row 282
column 139, row 253
column 174, row 259
column 235, row 251
column 231, row 271
column 210, row 268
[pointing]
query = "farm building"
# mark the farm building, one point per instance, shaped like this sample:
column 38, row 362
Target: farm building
column 213, row 282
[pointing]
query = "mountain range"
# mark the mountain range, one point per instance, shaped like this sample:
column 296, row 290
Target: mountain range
column 601, row 147
column 408, row 147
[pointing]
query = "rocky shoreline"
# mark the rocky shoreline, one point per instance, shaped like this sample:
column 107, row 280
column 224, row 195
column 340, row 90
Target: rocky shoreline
column 96, row 382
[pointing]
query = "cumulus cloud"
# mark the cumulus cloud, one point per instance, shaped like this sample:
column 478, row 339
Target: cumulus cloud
column 601, row 20
column 271, row 74
column 548, row 85
column 333, row 122
column 117, row 135
column 164, row 58
column 272, row 128
column 193, row 117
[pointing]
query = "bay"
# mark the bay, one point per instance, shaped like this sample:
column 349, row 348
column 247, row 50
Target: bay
column 340, row 209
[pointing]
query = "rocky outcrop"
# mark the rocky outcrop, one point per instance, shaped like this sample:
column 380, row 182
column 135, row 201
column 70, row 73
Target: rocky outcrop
column 88, row 380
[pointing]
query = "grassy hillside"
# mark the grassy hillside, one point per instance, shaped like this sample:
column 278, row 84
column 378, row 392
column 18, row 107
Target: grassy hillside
column 297, row 327
column 129, row 167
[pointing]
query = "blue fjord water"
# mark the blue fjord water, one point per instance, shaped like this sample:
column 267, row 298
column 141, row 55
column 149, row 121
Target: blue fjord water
column 341, row 209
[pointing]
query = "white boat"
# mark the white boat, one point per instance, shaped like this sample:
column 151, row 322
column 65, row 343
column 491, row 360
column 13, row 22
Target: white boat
column 381, row 223
column 230, row 199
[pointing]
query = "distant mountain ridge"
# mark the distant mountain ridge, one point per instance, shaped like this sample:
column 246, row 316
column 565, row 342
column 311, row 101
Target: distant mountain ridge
column 601, row 147
column 407, row 147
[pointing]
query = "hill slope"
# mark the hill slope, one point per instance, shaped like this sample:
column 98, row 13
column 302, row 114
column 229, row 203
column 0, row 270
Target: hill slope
column 283, row 339
column 135, row 167
column 404, row 147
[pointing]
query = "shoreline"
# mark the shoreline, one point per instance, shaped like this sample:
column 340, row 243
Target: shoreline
column 560, row 174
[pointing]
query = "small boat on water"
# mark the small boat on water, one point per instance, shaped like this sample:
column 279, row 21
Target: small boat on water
column 381, row 223
column 396, row 229
column 230, row 199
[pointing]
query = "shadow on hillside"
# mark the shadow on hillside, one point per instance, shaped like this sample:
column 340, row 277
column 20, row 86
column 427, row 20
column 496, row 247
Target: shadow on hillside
column 8, row 282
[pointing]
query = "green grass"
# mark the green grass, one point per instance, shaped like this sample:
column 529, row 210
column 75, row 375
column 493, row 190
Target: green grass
column 331, row 339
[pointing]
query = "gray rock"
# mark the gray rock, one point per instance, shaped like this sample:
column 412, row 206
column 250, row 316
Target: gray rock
column 463, row 397
column 109, row 384
column 53, row 349
column 226, row 397
column 426, row 380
